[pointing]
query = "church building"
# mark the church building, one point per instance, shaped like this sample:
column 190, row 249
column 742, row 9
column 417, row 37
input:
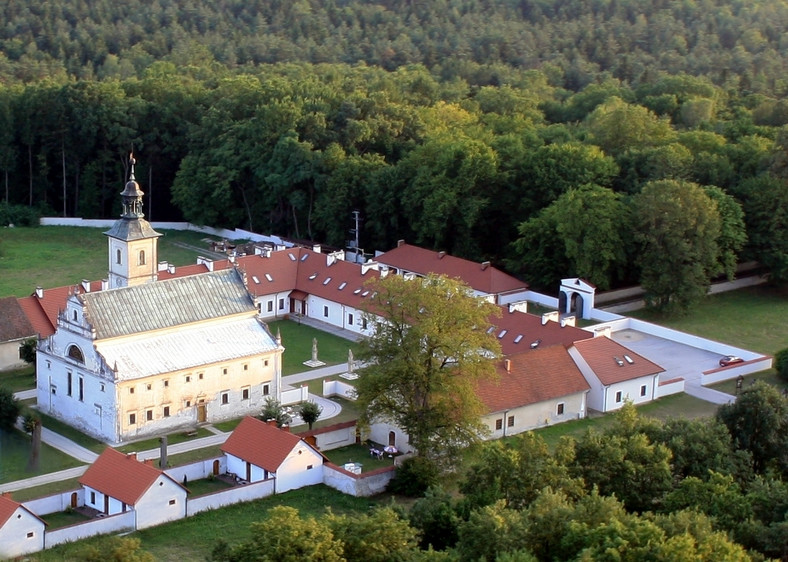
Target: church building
column 145, row 357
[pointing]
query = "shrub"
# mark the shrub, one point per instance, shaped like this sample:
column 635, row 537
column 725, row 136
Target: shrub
column 781, row 363
column 414, row 477
column 18, row 215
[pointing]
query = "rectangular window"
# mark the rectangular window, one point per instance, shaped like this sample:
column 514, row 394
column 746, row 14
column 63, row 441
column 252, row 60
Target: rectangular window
column 81, row 389
column 224, row 371
column 166, row 412
column 200, row 375
column 131, row 390
column 560, row 409
column 68, row 383
column 101, row 387
column 350, row 319
column 309, row 467
column 246, row 367
column 363, row 323
column 31, row 534
column 325, row 311
column 281, row 304
column 188, row 378
column 499, row 424
column 266, row 390
column 510, row 421
column 172, row 502
column 225, row 397
column 53, row 388
column 270, row 306
column 245, row 393
column 147, row 387
column 49, row 364
column 265, row 363
column 618, row 396
column 166, row 383
column 149, row 415
column 132, row 419
column 93, row 498
column 643, row 390
column 188, row 403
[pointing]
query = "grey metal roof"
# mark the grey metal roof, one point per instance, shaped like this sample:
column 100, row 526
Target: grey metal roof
column 132, row 229
column 164, row 304
column 188, row 348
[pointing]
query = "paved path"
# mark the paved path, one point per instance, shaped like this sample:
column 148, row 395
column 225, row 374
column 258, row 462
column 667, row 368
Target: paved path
column 43, row 479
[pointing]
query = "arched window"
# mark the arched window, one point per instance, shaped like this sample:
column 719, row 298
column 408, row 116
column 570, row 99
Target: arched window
column 141, row 261
column 76, row 354
column 117, row 257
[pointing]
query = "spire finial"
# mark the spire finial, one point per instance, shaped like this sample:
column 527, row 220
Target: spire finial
column 132, row 161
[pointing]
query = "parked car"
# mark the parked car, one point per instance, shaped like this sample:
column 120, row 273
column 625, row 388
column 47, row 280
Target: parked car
column 730, row 360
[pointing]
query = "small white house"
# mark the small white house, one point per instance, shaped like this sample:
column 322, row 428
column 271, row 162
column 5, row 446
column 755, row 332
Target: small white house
column 21, row 531
column 616, row 374
column 116, row 483
column 257, row 451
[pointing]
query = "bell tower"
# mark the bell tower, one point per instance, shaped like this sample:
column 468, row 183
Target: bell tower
column 133, row 244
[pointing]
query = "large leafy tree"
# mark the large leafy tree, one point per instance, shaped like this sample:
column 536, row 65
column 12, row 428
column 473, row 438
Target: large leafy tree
column 9, row 409
column 428, row 348
column 677, row 230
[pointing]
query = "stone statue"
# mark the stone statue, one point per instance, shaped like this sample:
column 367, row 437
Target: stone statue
column 314, row 349
column 349, row 360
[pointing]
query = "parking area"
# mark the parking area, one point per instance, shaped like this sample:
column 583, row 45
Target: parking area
column 678, row 360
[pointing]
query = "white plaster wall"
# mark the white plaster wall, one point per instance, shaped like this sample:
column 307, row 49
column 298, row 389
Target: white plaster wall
column 9, row 355
column 630, row 390
column 294, row 472
column 196, row 470
column 154, row 507
column 379, row 433
column 667, row 389
column 55, row 503
column 115, row 505
column 14, row 539
column 114, row 524
column 230, row 496
column 537, row 415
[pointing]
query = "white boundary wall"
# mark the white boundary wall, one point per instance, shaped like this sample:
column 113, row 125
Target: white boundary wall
column 339, row 388
column 55, row 503
column 294, row 396
column 673, row 386
column 112, row 524
column 238, row 494
column 196, row 470
column 359, row 485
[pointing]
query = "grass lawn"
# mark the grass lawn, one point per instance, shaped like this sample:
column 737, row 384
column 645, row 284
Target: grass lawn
column 192, row 456
column 206, row 486
column 172, row 439
column 54, row 256
column 63, row 519
column 752, row 318
column 358, row 454
column 15, row 452
column 297, row 340
column 769, row 377
column 20, row 379
column 45, row 490
column 72, row 433
column 194, row 537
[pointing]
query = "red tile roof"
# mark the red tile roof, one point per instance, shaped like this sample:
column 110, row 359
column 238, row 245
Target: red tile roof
column 517, row 331
column 601, row 352
column 120, row 476
column 7, row 508
column 36, row 316
column 261, row 444
column 533, row 377
column 15, row 325
column 481, row 277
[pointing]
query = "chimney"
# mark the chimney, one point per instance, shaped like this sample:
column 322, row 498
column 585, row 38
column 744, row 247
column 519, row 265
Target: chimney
column 149, row 462
column 162, row 266
column 521, row 306
column 441, row 254
column 549, row 316
column 86, row 285
column 604, row 331
column 171, row 269
column 104, row 284
column 568, row 321
column 507, row 363
column 485, row 265
column 317, row 248
column 271, row 422
column 400, row 243
column 40, row 292
column 330, row 259
column 132, row 456
column 286, row 428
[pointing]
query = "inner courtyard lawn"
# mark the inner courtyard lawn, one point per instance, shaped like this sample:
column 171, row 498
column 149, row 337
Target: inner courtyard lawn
column 15, row 452
column 297, row 341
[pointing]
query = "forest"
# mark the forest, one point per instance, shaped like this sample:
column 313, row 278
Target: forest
column 617, row 140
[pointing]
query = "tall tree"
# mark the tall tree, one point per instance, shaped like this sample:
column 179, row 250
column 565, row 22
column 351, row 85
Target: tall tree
column 9, row 409
column 429, row 346
column 677, row 228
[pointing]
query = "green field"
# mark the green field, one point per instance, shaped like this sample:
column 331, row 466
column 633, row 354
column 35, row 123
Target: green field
column 297, row 340
column 15, row 452
column 752, row 318
column 55, row 256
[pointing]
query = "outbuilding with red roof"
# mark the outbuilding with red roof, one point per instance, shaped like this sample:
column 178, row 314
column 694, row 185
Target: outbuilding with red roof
column 116, row 483
column 21, row 531
column 258, row 451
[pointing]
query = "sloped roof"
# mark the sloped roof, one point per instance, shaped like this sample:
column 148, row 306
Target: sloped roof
column 163, row 304
column 516, row 331
column 481, row 277
column 533, row 377
column 15, row 325
column 189, row 347
column 120, row 476
column 261, row 444
column 132, row 229
column 8, row 507
column 601, row 353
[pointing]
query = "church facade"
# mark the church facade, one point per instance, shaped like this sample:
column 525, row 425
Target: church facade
column 146, row 357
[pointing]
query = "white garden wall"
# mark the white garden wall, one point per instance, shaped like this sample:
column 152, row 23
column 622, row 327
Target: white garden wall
column 359, row 485
column 99, row 526
column 238, row 494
